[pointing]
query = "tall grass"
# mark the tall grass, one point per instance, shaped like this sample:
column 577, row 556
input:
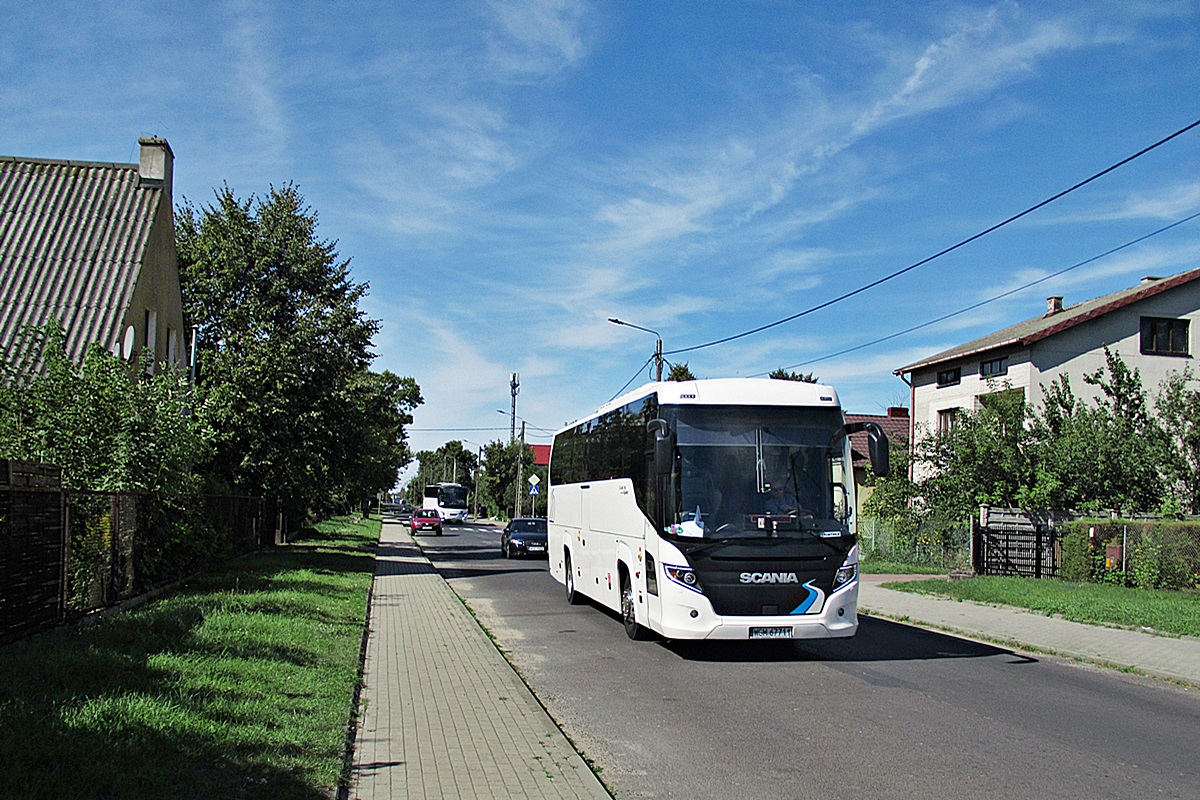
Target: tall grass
column 239, row 684
column 1169, row 612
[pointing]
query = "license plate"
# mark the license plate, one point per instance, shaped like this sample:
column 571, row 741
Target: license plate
column 537, row 548
column 771, row 633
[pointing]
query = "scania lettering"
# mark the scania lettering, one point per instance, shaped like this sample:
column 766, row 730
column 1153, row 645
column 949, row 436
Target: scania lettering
column 714, row 509
column 769, row 577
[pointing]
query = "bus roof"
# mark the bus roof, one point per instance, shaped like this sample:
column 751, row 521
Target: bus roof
column 727, row 392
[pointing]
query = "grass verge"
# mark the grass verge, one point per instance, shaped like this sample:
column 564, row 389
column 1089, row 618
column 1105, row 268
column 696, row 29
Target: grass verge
column 875, row 567
column 238, row 684
column 1172, row 613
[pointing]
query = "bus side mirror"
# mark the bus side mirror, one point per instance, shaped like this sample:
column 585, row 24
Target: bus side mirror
column 877, row 444
column 664, row 445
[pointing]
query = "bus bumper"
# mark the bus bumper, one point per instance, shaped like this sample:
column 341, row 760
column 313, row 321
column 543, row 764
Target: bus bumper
column 838, row 619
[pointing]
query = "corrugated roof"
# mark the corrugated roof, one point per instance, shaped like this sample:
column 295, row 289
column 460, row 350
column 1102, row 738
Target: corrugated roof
column 1033, row 330
column 72, row 238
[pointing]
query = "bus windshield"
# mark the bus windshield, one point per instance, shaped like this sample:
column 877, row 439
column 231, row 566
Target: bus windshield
column 754, row 472
column 452, row 496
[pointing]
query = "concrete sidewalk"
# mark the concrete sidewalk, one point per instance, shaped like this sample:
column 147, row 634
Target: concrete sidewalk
column 445, row 715
column 1157, row 656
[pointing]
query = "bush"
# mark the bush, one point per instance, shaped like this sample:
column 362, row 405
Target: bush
column 1162, row 554
column 1078, row 562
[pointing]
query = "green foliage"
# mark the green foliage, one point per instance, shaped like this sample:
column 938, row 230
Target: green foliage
column 283, row 352
column 680, row 372
column 452, row 463
column 1163, row 554
column 1078, row 561
column 107, row 424
column 782, row 374
column 498, row 481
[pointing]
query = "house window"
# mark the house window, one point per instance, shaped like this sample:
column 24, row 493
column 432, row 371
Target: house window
column 949, row 377
column 151, row 338
column 1164, row 337
column 946, row 419
column 990, row 369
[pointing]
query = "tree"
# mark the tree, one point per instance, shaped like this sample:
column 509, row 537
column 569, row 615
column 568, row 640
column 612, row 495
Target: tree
column 107, row 424
column 450, row 463
column 498, row 480
column 1178, row 408
column 283, row 356
column 1112, row 454
column 782, row 374
column 680, row 372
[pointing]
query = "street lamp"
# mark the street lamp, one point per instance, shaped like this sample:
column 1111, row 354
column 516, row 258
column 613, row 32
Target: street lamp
column 658, row 361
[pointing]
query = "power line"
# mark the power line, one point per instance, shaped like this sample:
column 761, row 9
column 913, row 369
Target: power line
column 634, row 378
column 1000, row 296
column 940, row 253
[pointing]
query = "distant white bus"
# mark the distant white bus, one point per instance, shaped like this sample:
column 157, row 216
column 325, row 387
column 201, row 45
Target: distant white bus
column 714, row 509
column 450, row 500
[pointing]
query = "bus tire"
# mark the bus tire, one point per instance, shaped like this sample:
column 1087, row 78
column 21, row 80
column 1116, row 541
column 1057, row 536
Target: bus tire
column 628, row 611
column 573, row 597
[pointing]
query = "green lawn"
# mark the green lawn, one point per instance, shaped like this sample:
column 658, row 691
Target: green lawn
column 871, row 566
column 239, row 684
column 1174, row 613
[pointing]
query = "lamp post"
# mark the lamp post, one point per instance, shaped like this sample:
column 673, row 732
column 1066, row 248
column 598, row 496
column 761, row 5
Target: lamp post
column 658, row 360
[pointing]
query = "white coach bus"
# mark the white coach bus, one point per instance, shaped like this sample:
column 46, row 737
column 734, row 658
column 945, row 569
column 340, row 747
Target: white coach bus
column 712, row 509
column 450, row 500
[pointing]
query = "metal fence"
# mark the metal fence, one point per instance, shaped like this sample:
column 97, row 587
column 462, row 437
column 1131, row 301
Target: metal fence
column 1144, row 551
column 928, row 544
column 66, row 553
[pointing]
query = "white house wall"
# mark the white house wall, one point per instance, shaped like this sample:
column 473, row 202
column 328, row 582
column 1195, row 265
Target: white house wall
column 1075, row 352
column 1079, row 351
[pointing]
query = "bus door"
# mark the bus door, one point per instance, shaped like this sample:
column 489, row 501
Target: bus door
column 585, row 544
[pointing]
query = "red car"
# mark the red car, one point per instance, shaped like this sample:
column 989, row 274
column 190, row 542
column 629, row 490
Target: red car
column 426, row 519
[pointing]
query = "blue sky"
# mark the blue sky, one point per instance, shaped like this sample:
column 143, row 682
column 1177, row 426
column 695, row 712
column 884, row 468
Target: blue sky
column 508, row 175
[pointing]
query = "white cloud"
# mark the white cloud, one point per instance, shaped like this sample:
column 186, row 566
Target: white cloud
column 250, row 41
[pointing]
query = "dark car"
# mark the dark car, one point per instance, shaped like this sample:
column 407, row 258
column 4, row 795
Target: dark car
column 426, row 519
column 524, row 536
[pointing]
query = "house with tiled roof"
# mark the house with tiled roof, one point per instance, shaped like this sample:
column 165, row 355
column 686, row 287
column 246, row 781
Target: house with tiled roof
column 895, row 425
column 1148, row 325
column 92, row 245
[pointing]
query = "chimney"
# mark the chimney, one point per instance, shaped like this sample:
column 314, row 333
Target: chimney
column 897, row 412
column 155, row 164
column 1053, row 305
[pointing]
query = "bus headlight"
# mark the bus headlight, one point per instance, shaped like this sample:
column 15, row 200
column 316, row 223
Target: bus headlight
column 844, row 575
column 684, row 576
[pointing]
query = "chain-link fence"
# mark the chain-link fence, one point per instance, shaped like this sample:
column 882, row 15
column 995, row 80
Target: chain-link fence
column 928, row 544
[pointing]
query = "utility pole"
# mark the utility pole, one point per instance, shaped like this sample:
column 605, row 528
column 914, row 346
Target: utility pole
column 520, row 473
column 515, row 385
column 658, row 359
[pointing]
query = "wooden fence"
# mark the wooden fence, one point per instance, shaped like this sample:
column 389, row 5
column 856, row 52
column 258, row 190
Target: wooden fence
column 66, row 553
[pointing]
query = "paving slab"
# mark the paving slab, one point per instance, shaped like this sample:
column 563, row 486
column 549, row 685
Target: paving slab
column 444, row 715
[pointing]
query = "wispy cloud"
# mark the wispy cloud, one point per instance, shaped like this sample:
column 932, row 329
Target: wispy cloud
column 250, row 41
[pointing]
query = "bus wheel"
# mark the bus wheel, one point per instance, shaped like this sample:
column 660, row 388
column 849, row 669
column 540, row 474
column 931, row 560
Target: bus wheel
column 628, row 615
column 573, row 597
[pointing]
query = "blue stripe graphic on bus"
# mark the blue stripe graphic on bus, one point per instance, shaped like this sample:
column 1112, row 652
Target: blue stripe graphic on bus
column 814, row 594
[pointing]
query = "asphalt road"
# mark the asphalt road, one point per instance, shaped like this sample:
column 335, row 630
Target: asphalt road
column 896, row 712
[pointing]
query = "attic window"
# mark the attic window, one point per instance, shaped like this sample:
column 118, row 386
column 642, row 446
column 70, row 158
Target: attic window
column 1164, row 337
column 949, row 377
